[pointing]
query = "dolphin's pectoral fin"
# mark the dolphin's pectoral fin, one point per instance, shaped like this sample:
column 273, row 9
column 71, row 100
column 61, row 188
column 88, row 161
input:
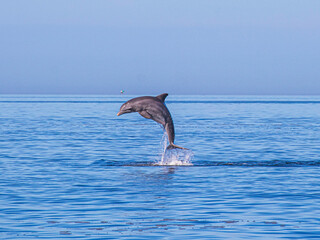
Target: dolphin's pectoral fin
column 145, row 114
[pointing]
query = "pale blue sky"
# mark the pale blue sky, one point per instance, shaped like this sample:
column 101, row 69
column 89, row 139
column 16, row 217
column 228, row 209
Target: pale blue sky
column 150, row 47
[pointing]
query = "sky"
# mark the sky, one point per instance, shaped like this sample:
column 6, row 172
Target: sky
column 154, row 46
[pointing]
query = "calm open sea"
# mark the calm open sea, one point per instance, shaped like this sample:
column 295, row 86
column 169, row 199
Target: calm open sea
column 70, row 168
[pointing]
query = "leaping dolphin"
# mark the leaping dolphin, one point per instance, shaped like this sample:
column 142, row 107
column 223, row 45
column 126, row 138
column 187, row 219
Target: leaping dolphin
column 152, row 108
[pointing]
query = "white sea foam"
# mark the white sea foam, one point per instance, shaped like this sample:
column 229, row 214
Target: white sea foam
column 173, row 157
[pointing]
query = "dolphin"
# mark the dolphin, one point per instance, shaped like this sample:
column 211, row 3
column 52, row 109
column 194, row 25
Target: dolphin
column 152, row 108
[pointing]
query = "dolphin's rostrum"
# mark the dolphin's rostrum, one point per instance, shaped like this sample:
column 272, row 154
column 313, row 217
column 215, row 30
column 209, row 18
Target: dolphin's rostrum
column 155, row 109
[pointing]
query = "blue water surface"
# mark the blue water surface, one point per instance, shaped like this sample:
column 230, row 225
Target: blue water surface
column 70, row 168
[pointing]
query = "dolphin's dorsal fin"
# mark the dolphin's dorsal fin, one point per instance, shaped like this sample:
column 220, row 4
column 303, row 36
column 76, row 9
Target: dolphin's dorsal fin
column 162, row 96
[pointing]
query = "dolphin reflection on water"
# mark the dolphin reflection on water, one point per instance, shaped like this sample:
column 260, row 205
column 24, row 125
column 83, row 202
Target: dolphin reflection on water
column 152, row 108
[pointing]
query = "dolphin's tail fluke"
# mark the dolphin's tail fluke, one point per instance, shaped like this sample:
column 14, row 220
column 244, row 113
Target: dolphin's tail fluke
column 173, row 146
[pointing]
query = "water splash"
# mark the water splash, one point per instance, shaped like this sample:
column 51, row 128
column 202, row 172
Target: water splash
column 173, row 157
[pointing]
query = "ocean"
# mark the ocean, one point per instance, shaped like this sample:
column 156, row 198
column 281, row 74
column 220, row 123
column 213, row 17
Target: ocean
column 70, row 168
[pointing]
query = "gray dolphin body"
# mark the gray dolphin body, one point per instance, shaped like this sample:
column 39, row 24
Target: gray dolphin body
column 155, row 109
